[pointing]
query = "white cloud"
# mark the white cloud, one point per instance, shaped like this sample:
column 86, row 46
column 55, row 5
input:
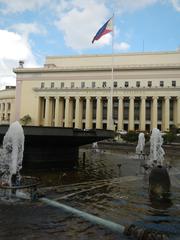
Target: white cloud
column 80, row 22
column 176, row 4
column 13, row 47
column 121, row 6
column 28, row 28
column 123, row 46
column 105, row 40
column 79, row 19
column 13, row 6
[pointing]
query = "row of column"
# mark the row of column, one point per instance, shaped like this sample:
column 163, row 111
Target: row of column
column 5, row 111
column 62, row 108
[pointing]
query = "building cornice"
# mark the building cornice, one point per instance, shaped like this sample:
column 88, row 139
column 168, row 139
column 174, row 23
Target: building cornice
column 115, row 54
column 98, row 68
column 77, row 89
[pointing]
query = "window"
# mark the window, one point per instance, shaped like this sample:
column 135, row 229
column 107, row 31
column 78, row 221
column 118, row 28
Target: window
column 126, row 84
column 82, row 84
column 42, row 85
column 52, row 84
column 93, row 84
column 149, row 84
column 161, row 83
column 138, row 84
column 72, row 84
column 9, row 106
column 104, row 84
column 173, row 83
column 115, row 84
column 8, row 117
column 62, row 84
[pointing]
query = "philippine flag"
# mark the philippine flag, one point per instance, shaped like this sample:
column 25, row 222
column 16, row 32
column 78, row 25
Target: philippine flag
column 106, row 28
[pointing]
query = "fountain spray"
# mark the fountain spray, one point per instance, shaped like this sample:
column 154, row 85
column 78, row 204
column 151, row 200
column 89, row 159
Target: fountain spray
column 12, row 155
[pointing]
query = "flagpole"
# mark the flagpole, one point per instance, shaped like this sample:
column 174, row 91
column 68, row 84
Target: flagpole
column 111, row 120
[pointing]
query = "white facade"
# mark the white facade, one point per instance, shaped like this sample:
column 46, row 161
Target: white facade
column 77, row 91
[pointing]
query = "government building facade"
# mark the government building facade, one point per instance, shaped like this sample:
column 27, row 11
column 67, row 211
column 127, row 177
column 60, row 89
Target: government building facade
column 134, row 91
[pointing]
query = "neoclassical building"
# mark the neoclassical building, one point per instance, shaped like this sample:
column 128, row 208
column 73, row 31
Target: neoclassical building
column 134, row 91
column 7, row 105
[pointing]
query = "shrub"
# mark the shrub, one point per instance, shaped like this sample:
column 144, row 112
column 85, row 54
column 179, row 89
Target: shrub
column 131, row 136
column 26, row 120
column 169, row 137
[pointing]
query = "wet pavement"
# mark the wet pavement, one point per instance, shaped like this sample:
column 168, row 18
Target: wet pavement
column 107, row 185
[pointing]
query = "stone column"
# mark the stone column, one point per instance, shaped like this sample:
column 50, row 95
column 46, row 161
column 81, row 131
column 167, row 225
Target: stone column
column 178, row 112
column 131, row 114
column 99, row 113
column 71, row 112
column 154, row 112
column 166, row 113
column 88, row 124
column 47, row 112
column 143, row 114
column 110, row 120
column 38, row 111
column 67, row 100
column 174, row 112
column 61, row 111
column 81, row 113
column 120, row 113
column 77, row 113
column 57, row 110
column 5, row 110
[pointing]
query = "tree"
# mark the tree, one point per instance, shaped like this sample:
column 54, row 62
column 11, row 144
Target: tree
column 26, row 120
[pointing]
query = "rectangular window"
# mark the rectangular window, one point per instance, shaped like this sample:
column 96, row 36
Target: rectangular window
column 72, row 84
column 9, row 106
column 138, row 84
column 161, row 83
column 104, row 84
column 8, row 117
column 173, row 83
column 126, row 84
column 52, row 84
column 62, row 84
column 115, row 84
column 42, row 85
column 149, row 84
column 93, row 84
column 82, row 84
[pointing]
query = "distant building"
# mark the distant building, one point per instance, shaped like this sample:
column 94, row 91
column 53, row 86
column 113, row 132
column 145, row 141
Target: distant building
column 76, row 91
column 7, row 105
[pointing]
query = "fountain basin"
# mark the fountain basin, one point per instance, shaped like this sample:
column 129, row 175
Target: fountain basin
column 27, row 185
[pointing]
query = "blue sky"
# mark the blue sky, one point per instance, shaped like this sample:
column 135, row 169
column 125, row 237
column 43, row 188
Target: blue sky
column 31, row 30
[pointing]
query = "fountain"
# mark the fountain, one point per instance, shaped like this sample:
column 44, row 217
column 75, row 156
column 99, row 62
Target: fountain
column 159, row 180
column 140, row 151
column 141, row 144
column 156, row 165
column 157, row 153
column 10, row 180
column 12, row 155
column 11, row 158
column 95, row 147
